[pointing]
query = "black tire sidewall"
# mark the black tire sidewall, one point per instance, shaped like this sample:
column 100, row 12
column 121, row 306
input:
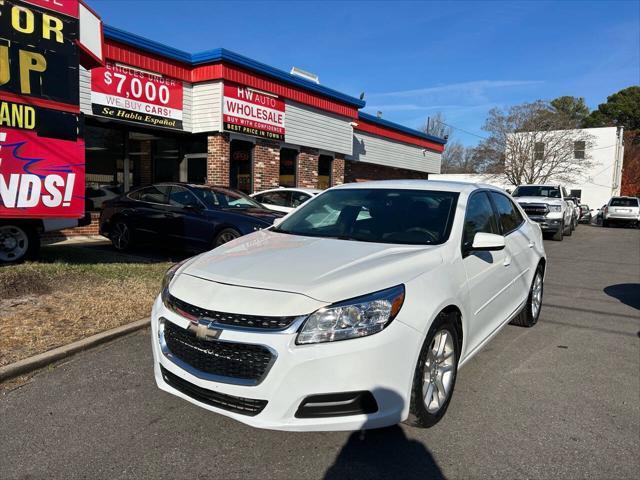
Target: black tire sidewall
column 418, row 414
column 129, row 243
column 223, row 231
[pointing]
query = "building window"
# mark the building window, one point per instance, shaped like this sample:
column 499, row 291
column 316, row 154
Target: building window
column 576, row 193
column 240, row 168
column 288, row 160
column 578, row 150
column 324, row 171
column 105, row 152
column 538, row 151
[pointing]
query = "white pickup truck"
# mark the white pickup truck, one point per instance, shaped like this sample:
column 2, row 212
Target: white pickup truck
column 546, row 205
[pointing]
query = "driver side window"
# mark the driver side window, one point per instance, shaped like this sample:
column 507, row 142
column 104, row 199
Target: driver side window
column 479, row 217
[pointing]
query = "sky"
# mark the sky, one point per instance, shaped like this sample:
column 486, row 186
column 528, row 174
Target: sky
column 413, row 59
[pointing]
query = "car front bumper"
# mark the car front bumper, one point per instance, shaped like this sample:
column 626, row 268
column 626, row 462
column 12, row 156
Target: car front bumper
column 382, row 364
column 548, row 224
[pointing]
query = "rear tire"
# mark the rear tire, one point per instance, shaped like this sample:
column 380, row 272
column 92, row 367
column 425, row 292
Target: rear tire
column 559, row 235
column 605, row 223
column 435, row 374
column 529, row 315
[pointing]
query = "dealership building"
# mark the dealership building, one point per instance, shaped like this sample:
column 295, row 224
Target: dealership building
column 154, row 113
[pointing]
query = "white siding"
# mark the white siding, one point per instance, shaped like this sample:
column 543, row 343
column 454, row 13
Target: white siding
column 309, row 127
column 206, row 111
column 383, row 151
column 187, row 107
column 85, row 91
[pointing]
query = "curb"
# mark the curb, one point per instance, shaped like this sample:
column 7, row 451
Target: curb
column 43, row 359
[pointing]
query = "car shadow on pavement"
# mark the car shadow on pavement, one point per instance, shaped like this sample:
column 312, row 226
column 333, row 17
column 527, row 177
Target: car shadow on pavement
column 383, row 454
column 627, row 293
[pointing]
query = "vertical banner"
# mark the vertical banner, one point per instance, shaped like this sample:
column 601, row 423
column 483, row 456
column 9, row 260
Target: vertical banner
column 41, row 156
column 252, row 112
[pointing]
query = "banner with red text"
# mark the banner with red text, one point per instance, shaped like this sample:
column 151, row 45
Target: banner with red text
column 40, row 177
column 134, row 95
column 252, row 112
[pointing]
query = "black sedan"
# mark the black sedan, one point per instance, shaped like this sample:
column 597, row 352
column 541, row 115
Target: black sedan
column 179, row 215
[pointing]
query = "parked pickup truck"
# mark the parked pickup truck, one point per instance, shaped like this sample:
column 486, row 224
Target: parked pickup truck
column 546, row 205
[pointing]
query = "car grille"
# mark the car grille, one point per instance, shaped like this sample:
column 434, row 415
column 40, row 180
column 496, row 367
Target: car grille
column 235, row 361
column 534, row 209
column 244, row 406
column 231, row 319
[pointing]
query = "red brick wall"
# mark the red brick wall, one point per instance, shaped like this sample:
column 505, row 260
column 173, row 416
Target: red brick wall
column 307, row 168
column 361, row 172
column 337, row 170
column 91, row 229
column 218, row 159
column 266, row 164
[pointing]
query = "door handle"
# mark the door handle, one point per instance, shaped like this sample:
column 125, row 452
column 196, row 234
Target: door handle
column 507, row 261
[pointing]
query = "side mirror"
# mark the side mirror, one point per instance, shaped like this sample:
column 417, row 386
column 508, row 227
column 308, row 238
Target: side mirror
column 277, row 221
column 193, row 207
column 487, row 242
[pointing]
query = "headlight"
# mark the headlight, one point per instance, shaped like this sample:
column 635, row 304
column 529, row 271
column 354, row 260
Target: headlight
column 168, row 276
column 555, row 208
column 353, row 318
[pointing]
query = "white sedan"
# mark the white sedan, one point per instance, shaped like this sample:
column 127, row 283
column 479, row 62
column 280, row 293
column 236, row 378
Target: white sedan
column 284, row 199
column 356, row 311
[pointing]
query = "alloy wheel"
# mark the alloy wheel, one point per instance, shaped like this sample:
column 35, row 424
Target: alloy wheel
column 536, row 296
column 437, row 382
column 121, row 236
column 225, row 237
column 14, row 243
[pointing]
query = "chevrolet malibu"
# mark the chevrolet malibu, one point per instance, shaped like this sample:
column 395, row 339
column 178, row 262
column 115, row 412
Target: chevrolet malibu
column 355, row 311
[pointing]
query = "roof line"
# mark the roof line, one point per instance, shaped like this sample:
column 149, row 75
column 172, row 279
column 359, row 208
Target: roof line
column 222, row 54
column 401, row 128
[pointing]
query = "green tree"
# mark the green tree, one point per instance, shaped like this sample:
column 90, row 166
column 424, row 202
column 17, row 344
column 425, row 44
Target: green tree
column 620, row 109
column 573, row 109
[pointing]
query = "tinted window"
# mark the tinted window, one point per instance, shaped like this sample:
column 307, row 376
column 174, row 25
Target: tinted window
column 181, row 197
column 624, row 202
column 281, row 199
column 479, row 218
column 224, row 198
column 536, row 191
column 152, row 194
column 509, row 216
column 298, row 198
column 418, row 217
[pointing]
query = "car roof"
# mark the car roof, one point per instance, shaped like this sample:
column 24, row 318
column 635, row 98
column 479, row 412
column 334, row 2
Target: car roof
column 437, row 185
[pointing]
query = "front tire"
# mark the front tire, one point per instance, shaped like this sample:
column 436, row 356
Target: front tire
column 529, row 315
column 559, row 235
column 121, row 236
column 18, row 243
column 435, row 374
column 225, row 235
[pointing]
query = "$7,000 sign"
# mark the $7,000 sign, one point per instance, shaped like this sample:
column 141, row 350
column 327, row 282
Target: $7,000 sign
column 133, row 95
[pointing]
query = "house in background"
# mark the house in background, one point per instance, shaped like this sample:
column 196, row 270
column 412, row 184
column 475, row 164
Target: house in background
column 594, row 186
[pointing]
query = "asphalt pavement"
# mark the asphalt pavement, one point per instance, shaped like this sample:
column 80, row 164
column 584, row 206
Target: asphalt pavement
column 560, row 400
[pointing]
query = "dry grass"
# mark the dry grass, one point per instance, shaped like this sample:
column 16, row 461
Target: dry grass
column 71, row 293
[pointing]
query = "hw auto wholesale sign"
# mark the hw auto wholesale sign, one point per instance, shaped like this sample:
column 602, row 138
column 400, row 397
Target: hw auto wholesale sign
column 252, row 112
column 41, row 155
column 134, row 95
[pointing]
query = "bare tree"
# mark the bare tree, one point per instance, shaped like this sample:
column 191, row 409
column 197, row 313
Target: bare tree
column 436, row 125
column 533, row 143
column 457, row 158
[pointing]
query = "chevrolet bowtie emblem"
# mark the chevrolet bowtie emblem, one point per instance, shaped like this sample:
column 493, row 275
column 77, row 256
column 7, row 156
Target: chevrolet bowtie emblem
column 204, row 329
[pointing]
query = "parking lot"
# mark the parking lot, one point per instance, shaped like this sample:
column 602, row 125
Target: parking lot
column 560, row 400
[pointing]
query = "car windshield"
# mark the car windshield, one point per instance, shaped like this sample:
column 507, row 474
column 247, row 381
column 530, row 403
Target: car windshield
column 417, row 217
column 624, row 202
column 536, row 191
column 224, row 198
column 584, row 208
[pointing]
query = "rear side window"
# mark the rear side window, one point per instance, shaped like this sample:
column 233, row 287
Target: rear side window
column 280, row 199
column 298, row 198
column 151, row 194
column 479, row 218
column 508, row 213
column 624, row 202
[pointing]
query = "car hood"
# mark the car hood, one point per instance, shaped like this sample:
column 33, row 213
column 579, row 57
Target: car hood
column 324, row 269
column 262, row 214
column 546, row 200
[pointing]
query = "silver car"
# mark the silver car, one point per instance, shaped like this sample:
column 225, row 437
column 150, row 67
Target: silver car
column 621, row 210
